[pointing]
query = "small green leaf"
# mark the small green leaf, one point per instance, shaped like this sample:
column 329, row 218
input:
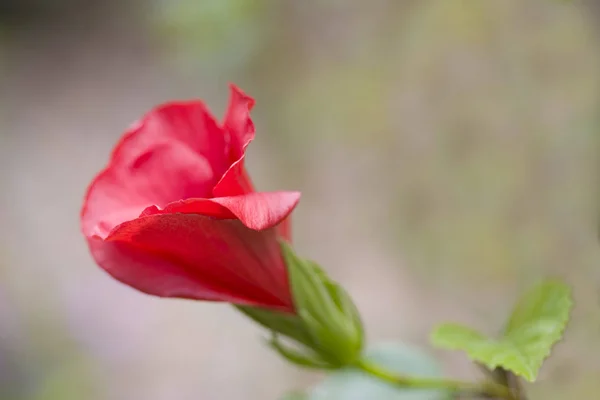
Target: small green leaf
column 536, row 324
column 549, row 302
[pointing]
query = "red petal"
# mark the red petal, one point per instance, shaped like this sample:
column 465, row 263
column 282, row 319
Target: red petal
column 168, row 172
column 285, row 229
column 239, row 125
column 175, row 151
column 196, row 257
column 257, row 211
column 234, row 182
column 238, row 122
column 190, row 123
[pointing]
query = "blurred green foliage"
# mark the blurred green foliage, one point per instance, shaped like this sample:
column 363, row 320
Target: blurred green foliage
column 213, row 34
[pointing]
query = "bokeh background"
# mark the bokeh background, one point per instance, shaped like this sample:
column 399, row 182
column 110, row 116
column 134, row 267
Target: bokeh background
column 447, row 151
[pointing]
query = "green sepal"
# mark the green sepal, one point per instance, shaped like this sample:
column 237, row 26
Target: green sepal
column 286, row 324
column 306, row 358
column 324, row 340
column 307, row 282
column 329, row 316
column 326, row 323
column 353, row 319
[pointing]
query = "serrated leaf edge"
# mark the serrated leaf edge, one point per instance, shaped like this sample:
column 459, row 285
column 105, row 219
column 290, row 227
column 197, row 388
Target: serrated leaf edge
column 530, row 374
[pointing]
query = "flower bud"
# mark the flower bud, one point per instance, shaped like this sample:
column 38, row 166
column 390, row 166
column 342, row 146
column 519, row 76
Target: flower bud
column 326, row 322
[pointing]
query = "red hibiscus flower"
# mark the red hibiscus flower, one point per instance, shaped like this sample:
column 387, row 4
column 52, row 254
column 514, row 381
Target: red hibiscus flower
column 174, row 214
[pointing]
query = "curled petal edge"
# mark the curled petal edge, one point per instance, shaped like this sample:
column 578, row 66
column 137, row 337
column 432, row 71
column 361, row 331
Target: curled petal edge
column 257, row 211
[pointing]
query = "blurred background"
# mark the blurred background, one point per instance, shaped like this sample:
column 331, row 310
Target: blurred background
column 447, row 151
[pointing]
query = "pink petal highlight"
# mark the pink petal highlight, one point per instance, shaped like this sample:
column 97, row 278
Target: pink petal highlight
column 257, row 211
column 169, row 172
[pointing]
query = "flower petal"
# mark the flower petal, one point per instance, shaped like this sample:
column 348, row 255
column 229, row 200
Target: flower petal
column 165, row 173
column 197, row 257
column 240, row 129
column 257, row 211
column 235, row 181
column 175, row 151
column 238, row 122
column 261, row 210
column 285, row 229
column 188, row 122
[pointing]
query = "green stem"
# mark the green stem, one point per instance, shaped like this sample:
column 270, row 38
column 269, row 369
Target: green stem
column 490, row 389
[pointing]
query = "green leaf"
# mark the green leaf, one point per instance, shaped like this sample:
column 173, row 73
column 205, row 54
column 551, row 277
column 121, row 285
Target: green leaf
column 536, row 324
column 549, row 302
column 353, row 384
